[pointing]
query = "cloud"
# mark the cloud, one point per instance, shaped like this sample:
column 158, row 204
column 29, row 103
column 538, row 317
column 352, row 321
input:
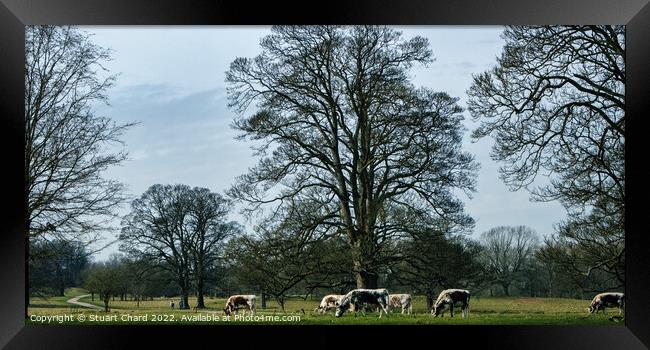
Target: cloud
column 181, row 137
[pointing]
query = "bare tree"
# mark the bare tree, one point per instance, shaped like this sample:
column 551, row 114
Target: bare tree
column 209, row 230
column 272, row 267
column 179, row 228
column 506, row 251
column 555, row 102
column 341, row 127
column 67, row 146
column 586, row 246
column 282, row 257
column 104, row 279
column 156, row 227
column 433, row 262
column 55, row 265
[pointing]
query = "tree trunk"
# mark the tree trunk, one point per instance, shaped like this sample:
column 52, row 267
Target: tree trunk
column 506, row 288
column 107, row 298
column 92, row 296
column 263, row 300
column 199, row 284
column 366, row 279
column 27, row 229
column 200, row 304
column 59, row 280
column 365, row 273
column 27, row 287
column 183, row 284
column 184, row 304
column 281, row 302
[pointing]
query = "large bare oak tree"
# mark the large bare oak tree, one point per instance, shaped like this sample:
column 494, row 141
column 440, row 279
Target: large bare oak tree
column 340, row 128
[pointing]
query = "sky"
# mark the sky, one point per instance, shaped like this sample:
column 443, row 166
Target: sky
column 171, row 81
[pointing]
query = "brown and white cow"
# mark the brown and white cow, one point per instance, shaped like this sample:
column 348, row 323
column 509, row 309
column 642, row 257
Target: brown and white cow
column 234, row 302
column 450, row 297
column 603, row 300
column 402, row 301
column 358, row 298
column 329, row 302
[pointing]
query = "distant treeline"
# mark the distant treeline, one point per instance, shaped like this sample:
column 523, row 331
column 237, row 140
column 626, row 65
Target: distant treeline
column 505, row 261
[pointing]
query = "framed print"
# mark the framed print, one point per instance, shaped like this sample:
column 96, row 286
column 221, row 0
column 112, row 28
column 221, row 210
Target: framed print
column 354, row 173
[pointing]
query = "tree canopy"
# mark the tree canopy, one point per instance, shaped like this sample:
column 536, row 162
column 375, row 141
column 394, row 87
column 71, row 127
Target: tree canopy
column 555, row 105
column 67, row 146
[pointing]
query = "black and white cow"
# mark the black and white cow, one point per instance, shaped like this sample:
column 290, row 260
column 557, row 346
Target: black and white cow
column 450, row 297
column 603, row 300
column 402, row 301
column 358, row 298
column 234, row 302
column 329, row 302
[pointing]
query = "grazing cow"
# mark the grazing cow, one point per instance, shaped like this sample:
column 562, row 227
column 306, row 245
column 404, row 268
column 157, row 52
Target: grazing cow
column 603, row 300
column 402, row 301
column 234, row 302
column 449, row 297
column 329, row 302
column 358, row 298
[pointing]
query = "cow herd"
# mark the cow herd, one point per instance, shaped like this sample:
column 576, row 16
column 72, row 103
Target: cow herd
column 360, row 300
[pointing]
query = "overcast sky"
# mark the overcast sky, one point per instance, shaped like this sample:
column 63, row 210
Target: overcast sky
column 171, row 81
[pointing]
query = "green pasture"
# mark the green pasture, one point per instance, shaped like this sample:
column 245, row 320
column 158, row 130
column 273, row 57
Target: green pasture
column 483, row 311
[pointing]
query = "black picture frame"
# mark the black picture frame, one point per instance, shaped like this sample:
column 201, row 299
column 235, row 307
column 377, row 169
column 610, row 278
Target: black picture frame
column 15, row 14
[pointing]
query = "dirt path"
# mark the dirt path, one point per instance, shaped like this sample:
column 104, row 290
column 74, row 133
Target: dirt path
column 76, row 301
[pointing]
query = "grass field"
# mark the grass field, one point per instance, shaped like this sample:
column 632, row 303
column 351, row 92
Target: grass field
column 483, row 311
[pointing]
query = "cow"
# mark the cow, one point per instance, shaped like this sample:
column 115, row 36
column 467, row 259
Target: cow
column 357, row 298
column 449, row 297
column 234, row 302
column 603, row 300
column 329, row 302
column 402, row 301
